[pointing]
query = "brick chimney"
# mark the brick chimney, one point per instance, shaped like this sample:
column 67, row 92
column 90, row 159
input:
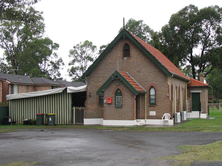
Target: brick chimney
column 201, row 77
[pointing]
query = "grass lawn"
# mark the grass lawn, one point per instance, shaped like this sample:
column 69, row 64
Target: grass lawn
column 201, row 153
column 201, row 125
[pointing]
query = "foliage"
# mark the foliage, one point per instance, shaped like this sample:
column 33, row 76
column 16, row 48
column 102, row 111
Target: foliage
column 192, row 36
column 102, row 48
column 82, row 55
column 214, row 79
column 139, row 29
column 3, row 66
column 26, row 51
column 11, row 9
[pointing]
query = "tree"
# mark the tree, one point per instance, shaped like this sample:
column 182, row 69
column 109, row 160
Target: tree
column 82, row 55
column 139, row 29
column 11, row 9
column 26, row 51
column 39, row 59
column 193, row 36
column 214, row 80
column 102, row 48
column 3, row 66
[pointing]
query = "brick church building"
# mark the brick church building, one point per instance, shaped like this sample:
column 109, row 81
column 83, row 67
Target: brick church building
column 133, row 83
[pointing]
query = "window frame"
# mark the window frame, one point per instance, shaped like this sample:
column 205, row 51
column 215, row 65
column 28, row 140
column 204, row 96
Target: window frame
column 126, row 50
column 152, row 96
column 118, row 99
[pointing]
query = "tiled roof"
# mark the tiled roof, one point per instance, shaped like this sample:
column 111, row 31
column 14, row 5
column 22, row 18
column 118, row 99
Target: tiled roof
column 126, row 79
column 132, row 81
column 66, row 83
column 44, row 81
column 25, row 80
column 16, row 79
column 161, row 58
column 194, row 82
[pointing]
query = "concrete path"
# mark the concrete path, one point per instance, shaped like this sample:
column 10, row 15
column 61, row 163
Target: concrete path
column 88, row 147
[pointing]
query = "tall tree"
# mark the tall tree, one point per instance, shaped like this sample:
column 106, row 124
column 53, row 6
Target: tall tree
column 193, row 36
column 26, row 51
column 139, row 29
column 83, row 54
column 11, row 9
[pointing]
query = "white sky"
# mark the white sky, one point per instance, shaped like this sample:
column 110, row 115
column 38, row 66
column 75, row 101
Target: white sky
column 69, row 22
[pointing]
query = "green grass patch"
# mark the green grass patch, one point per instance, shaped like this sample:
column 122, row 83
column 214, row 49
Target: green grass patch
column 201, row 153
column 21, row 163
column 201, row 125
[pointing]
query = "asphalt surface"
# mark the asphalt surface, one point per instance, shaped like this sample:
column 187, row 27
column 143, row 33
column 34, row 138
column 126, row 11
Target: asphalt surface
column 88, row 147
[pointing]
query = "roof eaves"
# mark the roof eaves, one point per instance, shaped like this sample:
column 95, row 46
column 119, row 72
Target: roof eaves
column 116, row 75
column 180, row 77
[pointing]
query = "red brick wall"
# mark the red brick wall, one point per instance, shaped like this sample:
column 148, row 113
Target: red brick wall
column 128, row 110
column 40, row 88
column 5, row 91
column 142, row 69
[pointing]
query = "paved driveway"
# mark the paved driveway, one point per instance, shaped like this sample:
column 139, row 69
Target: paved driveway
column 67, row 147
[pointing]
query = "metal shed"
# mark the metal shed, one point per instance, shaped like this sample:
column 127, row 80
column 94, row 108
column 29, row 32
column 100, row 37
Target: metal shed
column 59, row 101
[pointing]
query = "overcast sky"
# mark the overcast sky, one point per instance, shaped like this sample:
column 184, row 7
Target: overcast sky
column 69, row 22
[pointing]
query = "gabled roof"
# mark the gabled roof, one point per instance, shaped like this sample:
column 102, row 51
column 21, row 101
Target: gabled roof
column 196, row 83
column 128, row 80
column 155, row 55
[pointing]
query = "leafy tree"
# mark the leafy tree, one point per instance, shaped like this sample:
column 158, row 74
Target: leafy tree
column 102, row 48
column 192, row 36
column 82, row 55
column 214, row 79
column 139, row 29
column 26, row 51
column 39, row 59
column 3, row 66
column 11, row 9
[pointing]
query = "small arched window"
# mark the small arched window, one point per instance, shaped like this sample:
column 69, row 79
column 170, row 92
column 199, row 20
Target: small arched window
column 118, row 98
column 126, row 50
column 152, row 96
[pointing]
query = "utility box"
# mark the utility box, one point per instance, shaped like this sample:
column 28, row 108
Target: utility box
column 177, row 117
column 109, row 100
column 184, row 115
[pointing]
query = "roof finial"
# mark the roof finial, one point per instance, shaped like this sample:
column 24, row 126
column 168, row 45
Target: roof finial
column 123, row 23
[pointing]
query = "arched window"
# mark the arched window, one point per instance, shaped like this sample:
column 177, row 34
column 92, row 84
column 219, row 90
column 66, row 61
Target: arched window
column 152, row 96
column 126, row 50
column 118, row 98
